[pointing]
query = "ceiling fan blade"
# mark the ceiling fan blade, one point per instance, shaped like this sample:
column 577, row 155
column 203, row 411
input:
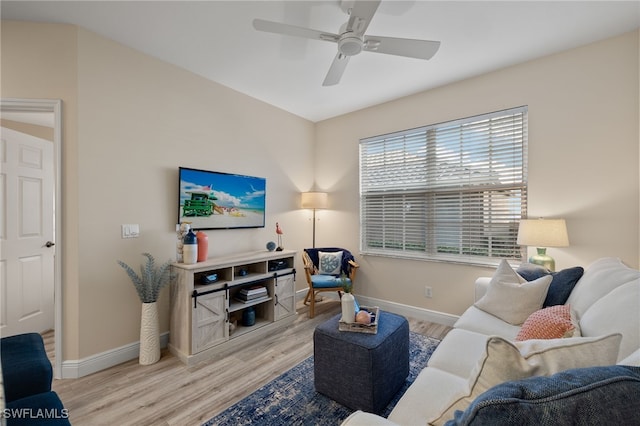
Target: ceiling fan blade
column 292, row 30
column 360, row 15
column 336, row 70
column 421, row 49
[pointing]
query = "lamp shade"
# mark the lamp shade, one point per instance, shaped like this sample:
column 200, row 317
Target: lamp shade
column 543, row 233
column 314, row 200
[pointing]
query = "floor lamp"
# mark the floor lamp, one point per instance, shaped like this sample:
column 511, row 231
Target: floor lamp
column 314, row 201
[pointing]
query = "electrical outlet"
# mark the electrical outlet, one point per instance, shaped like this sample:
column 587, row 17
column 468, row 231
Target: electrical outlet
column 428, row 292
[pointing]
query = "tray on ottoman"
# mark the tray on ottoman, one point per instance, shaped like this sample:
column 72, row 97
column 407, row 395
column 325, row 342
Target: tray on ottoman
column 362, row 328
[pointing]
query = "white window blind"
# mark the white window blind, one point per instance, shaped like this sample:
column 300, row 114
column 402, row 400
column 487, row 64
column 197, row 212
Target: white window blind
column 451, row 191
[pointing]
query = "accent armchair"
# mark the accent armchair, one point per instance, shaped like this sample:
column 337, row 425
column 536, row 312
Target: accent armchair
column 323, row 268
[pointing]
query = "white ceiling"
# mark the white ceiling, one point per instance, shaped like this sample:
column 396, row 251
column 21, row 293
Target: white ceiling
column 215, row 39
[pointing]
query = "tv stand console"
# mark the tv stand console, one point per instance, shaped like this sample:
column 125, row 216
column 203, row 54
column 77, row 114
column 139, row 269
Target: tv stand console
column 209, row 299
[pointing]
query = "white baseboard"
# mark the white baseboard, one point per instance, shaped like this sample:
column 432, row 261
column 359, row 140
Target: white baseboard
column 73, row 369
column 397, row 308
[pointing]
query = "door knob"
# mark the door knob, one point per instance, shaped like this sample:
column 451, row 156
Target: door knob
column 49, row 244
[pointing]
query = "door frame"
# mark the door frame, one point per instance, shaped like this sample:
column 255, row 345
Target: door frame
column 53, row 106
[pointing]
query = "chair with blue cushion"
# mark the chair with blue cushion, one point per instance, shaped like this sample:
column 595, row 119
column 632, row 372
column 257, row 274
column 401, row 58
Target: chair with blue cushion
column 323, row 268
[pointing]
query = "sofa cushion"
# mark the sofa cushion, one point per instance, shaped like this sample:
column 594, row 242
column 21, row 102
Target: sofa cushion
column 553, row 322
column 598, row 279
column 504, row 361
column 479, row 321
column 510, row 297
column 593, row 396
column 362, row 418
column 432, row 389
column 325, row 281
column 561, row 284
column 619, row 312
column 448, row 356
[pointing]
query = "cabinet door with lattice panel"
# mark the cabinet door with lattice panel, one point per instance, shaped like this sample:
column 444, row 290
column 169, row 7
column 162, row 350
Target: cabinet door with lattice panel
column 209, row 317
column 285, row 300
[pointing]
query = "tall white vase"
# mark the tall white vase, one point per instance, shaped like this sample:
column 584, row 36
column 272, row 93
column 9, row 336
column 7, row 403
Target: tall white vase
column 348, row 308
column 149, row 334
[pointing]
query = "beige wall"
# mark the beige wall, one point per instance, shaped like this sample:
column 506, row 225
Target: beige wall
column 583, row 162
column 139, row 119
column 130, row 121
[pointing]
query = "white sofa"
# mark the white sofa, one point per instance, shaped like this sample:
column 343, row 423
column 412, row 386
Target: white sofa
column 605, row 300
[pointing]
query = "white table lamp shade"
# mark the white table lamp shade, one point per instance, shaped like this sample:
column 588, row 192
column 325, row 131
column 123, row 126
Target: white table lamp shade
column 543, row 233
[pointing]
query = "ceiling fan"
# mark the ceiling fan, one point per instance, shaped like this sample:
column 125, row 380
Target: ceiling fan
column 352, row 39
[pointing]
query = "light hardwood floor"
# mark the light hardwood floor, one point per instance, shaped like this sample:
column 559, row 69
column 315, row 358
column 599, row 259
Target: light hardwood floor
column 170, row 393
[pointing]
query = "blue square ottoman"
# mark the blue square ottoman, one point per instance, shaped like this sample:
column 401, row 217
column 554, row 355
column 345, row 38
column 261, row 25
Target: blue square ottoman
column 362, row 371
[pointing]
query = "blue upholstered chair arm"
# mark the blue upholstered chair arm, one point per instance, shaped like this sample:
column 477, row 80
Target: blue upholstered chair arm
column 26, row 370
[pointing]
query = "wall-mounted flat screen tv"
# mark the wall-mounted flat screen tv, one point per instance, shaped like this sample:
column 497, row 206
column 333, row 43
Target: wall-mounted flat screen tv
column 215, row 200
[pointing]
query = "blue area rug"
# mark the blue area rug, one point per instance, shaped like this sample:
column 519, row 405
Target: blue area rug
column 291, row 399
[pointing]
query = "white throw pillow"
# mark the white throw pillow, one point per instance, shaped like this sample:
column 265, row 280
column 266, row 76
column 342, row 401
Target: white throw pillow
column 510, row 297
column 504, row 361
column 330, row 263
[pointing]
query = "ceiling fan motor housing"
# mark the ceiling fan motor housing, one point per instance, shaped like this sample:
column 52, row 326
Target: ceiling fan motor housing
column 350, row 44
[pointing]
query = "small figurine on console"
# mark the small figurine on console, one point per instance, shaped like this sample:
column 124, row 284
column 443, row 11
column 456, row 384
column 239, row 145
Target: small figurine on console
column 279, row 232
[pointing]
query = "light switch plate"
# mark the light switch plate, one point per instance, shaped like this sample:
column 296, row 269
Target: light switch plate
column 130, row 231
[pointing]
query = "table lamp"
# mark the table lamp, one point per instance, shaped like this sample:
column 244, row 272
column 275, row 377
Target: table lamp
column 543, row 233
column 314, row 201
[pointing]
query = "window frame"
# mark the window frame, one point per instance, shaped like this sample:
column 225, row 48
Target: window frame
column 395, row 182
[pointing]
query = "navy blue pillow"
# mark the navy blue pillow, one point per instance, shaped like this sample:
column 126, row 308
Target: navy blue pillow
column 561, row 285
column 582, row 396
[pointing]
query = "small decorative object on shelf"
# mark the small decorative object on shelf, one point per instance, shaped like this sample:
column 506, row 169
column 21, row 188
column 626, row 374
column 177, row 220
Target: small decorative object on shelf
column 249, row 316
column 271, row 246
column 181, row 231
column 203, row 246
column 279, row 233
column 190, row 248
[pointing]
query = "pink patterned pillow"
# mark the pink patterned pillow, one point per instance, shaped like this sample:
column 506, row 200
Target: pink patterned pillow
column 553, row 322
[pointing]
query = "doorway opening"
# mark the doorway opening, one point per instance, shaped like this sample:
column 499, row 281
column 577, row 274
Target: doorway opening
column 47, row 113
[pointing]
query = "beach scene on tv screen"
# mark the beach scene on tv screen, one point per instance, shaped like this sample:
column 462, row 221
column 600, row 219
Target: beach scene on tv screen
column 210, row 200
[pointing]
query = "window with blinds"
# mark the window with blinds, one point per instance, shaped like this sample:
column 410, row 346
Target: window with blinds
column 452, row 191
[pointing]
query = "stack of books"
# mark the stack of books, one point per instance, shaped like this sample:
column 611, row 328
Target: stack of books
column 249, row 294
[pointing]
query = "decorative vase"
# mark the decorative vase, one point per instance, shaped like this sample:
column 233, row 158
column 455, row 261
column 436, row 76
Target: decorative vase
column 149, row 334
column 190, row 248
column 348, row 308
column 249, row 316
column 203, row 246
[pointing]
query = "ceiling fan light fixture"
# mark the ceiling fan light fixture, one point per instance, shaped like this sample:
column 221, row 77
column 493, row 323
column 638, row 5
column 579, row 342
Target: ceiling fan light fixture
column 350, row 44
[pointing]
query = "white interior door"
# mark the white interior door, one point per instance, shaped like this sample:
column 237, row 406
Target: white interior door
column 27, row 233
